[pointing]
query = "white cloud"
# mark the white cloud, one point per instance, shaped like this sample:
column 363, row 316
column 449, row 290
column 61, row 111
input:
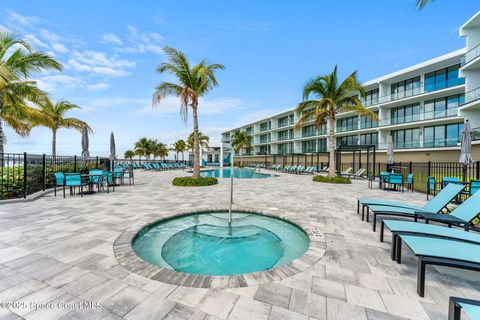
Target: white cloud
column 98, row 63
column 112, row 39
column 60, row 48
column 98, row 86
column 32, row 39
column 21, row 19
column 50, row 36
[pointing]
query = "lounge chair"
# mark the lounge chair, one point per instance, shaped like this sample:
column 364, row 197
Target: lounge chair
column 443, row 197
column 441, row 252
column 470, row 307
column 325, row 169
column 435, row 206
column 400, row 228
column 358, row 174
column 473, row 186
column 348, row 171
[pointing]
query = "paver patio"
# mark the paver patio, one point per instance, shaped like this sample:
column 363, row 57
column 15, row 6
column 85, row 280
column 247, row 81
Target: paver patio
column 61, row 250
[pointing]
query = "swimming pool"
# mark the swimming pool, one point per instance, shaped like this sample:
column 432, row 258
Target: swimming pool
column 205, row 243
column 239, row 173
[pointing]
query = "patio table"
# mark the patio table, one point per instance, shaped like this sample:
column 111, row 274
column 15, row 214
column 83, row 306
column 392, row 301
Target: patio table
column 86, row 177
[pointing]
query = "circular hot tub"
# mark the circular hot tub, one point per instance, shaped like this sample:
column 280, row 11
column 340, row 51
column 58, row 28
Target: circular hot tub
column 206, row 243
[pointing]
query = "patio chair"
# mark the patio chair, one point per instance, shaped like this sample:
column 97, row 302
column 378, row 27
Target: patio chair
column 410, row 182
column 441, row 252
column 96, row 180
column 431, row 186
column 473, row 187
column 73, row 180
column 108, row 180
column 470, row 307
column 59, row 182
column 119, row 175
column 400, row 228
column 395, row 180
column 442, row 198
column 435, row 206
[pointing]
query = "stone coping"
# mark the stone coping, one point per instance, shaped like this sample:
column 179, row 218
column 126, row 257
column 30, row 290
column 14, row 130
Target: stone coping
column 127, row 257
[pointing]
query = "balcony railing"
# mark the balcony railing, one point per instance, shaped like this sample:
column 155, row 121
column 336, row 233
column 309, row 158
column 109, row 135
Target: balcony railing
column 346, row 128
column 476, row 133
column 472, row 96
column 427, row 143
column 274, row 139
column 470, row 55
column 453, row 112
column 368, row 125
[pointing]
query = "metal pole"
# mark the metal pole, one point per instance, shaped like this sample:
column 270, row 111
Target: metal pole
column 24, row 174
column 231, row 191
column 43, row 172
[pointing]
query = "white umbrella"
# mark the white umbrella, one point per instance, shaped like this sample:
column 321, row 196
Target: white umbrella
column 466, row 144
column 389, row 150
column 85, row 153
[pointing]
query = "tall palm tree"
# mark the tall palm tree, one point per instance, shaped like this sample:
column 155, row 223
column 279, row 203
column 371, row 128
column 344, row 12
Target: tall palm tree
column 143, row 148
column 331, row 97
column 55, row 119
column 203, row 141
column 179, row 146
column 240, row 140
column 18, row 61
column 193, row 83
column 423, row 3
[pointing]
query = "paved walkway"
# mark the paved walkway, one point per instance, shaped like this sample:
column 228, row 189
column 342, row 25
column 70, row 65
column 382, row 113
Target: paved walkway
column 59, row 251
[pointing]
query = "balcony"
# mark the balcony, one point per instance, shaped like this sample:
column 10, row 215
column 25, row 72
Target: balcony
column 346, row 128
column 439, row 114
column 369, row 103
column 368, row 125
column 472, row 96
column 470, row 55
column 287, row 138
column 437, row 143
column 476, row 134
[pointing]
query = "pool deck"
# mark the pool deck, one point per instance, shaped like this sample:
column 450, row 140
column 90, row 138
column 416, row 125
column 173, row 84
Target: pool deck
column 56, row 250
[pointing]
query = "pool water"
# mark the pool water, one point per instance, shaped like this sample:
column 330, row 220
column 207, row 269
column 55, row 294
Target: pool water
column 239, row 173
column 205, row 243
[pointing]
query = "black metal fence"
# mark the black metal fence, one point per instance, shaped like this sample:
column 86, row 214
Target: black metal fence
column 151, row 160
column 23, row 174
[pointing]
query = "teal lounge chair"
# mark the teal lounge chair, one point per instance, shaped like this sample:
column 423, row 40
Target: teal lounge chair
column 400, row 228
column 436, row 205
column 441, row 252
column 474, row 186
column 470, row 307
column 443, row 197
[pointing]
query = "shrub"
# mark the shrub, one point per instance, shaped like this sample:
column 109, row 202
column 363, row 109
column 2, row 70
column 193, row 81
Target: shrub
column 337, row 179
column 191, row 182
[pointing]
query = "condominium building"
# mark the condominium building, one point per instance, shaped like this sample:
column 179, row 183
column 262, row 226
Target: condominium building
column 422, row 107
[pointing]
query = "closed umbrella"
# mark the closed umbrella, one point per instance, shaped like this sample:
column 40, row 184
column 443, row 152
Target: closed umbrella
column 85, row 153
column 466, row 144
column 112, row 157
column 389, row 150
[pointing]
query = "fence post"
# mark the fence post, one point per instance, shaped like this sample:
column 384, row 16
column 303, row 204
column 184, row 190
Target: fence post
column 24, row 175
column 429, row 169
column 477, row 173
column 74, row 163
column 97, row 162
column 410, row 167
column 44, row 173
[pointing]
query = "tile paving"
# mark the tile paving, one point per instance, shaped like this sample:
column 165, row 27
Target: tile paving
column 56, row 250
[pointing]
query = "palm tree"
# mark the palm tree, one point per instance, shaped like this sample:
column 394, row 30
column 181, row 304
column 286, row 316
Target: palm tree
column 129, row 154
column 423, row 3
column 203, row 141
column 181, row 146
column 55, row 119
column 193, row 83
column 240, row 140
column 18, row 61
column 143, row 148
column 331, row 98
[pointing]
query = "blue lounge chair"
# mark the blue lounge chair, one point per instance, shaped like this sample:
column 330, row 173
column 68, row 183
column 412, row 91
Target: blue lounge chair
column 435, row 206
column 441, row 252
column 473, row 186
column 470, row 307
column 400, row 228
column 443, row 197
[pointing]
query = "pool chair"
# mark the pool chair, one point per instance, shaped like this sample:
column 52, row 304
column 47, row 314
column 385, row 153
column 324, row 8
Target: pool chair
column 108, row 180
column 59, row 182
column 325, row 169
column 431, row 186
column 409, row 182
column 400, row 228
column 96, row 178
column 299, row 170
column 443, row 198
column 435, row 206
column 358, row 174
column 118, row 176
column 470, row 307
column 348, row 171
column 292, row 169
column 441, row 252
column 473, row 187
column 286, row 168
column 73, row 180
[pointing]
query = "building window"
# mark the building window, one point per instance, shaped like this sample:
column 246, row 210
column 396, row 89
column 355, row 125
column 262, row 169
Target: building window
column 249, row 130
column 371, row 98
column 443, row 78
column 347, row 141
column 406, row 88
column 264, row 126
column 322, row 145
column 285, row 121
column 285, row 148
column 285, row 135
column 406, row 139
column 309, row 131
column 347, row 124
column 264, row 150
column 369, row 139
column 442, row 136
column 264, row 138
column 367, row 122
column 309, row 146
column 403, row 114
column 443, row 107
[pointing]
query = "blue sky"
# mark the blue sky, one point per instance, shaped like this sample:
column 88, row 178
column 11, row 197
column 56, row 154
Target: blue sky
column 110, row 50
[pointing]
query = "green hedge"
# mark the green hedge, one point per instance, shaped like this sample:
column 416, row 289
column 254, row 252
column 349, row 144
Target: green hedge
column 191, row 182
column 337, row 179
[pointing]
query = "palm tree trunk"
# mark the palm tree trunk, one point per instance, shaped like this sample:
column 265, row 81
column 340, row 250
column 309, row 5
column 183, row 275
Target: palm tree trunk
column 54, row 143
column 331, row 135
column 2, row 136
column 196, row 143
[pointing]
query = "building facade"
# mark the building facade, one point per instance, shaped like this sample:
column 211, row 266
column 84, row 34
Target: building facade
column 422, row 108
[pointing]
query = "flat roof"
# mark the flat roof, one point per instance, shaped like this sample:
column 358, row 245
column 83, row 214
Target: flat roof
column 471, row 23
